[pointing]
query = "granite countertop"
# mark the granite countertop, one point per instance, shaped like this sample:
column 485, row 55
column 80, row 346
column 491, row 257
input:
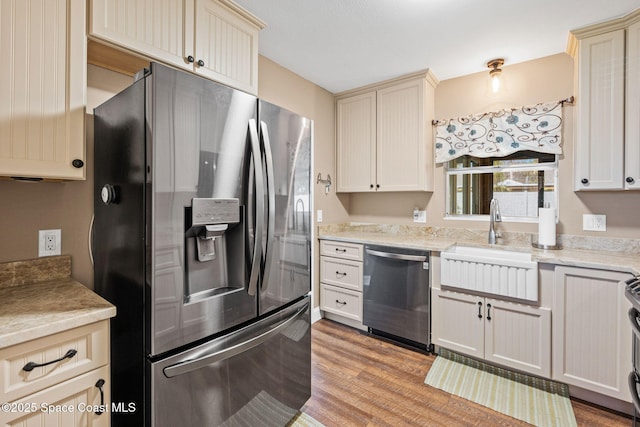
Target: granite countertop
column 627, row 260
column 32, row 308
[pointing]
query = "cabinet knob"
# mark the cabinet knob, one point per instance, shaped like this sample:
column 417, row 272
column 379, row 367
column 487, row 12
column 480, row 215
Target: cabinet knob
column 77, row 163
column 630, row 180
column 370, row 185
column 377, row 185
column 585, row 181
column 190, row 59
column 200, row 63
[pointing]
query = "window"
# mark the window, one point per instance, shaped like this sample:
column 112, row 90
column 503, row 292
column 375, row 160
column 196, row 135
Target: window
column 521, row 182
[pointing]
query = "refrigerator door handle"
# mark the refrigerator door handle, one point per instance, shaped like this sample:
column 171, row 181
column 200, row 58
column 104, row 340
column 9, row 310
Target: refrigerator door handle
column 271, row 192
column 259, row 223
column 187, row 366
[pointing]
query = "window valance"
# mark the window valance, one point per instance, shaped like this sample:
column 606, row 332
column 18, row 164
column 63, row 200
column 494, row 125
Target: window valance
column 536, row 128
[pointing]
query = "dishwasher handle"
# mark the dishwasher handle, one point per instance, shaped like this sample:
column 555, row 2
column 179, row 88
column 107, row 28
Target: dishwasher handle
column 402, row 257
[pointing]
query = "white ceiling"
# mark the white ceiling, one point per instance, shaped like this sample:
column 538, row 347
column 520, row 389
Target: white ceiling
column 343, row 44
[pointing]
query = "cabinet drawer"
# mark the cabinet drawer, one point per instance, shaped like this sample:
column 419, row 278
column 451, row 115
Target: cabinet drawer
column 343, row 273
column 91, row 342
column 352, row 251
column 341, row 301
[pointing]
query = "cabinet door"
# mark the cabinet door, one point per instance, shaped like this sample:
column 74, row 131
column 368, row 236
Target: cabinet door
column 160, row 30
column 591, row 330
column 72, row 403
column 401, row 144
column 356, row 143
column 458, row 322
column 600, row 113
column 632, row 109
column 518, row 336
column 42, row 88
column 227, row 45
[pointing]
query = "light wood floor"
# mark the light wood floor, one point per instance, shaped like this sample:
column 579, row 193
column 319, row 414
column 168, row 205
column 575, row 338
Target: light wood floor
column 358, row 380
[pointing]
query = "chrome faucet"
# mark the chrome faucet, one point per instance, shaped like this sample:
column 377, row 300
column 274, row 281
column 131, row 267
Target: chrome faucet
column 494, row 216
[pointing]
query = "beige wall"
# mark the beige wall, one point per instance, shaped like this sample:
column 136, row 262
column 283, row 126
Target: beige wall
column 540, row 80
column 29, row 207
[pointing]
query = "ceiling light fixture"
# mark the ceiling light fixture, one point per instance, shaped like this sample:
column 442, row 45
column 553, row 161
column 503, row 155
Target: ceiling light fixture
column 495, row 72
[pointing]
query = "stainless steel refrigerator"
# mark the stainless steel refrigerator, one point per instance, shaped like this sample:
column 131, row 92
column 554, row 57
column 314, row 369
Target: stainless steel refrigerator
column 201, row 240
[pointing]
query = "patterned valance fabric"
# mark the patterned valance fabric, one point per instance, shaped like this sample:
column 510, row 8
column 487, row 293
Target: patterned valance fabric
column 537, row 128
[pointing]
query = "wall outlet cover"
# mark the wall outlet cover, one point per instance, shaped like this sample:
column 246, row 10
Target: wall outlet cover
column 594, row 222
column 319, row 215
column 49, row 242
column 419, row 216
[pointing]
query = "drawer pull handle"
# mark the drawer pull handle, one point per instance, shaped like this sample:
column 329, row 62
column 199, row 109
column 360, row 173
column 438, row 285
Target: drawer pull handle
column 99, row 384
column 341, row 250
column 32, row 365
column 341, row 302
column 339, row 274
column 488, row 311
column 479, row 310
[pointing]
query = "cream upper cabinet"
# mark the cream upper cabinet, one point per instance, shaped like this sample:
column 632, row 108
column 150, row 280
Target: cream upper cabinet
column 42, row 89
column 632, row 111
column 215, row 38
column 384, row 138
column 607, row 137
column 356, row 147
column 591, row 330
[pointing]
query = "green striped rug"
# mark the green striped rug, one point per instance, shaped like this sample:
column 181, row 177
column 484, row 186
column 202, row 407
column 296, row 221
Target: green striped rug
column 304, row 420
column 537, row 401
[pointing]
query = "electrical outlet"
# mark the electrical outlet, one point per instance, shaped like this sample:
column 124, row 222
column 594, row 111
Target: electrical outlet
column 594, row 222
column 319, row 215
column 49, row 242
column 419, row 216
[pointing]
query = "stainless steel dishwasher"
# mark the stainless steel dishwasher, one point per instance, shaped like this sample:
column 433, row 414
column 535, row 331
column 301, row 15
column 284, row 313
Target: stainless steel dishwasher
column 397, row 295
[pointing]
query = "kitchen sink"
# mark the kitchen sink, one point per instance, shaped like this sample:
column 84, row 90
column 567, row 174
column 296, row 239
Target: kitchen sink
column 493, row 271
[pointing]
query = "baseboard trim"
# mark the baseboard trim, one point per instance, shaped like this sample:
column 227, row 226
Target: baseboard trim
column 316, row 315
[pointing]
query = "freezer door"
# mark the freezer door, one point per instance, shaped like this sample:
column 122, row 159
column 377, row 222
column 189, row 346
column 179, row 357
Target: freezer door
column 257, row 376
column 286, row 141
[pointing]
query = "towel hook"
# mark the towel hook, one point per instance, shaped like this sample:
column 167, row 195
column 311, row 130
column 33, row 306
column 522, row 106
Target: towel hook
column 326, row 182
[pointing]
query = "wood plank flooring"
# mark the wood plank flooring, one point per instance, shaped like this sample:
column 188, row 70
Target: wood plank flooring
column 358, row 380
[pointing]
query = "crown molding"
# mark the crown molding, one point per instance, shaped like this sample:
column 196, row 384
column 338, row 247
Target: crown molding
column 427, row 74
column 619, row 23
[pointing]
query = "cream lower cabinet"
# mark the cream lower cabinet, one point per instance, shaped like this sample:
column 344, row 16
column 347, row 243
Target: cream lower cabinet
column 513, row 335
column 69, row 383
column 214, row 38
column 73, row 403
column 591, row 330
column 43, row 89
column 341, row 281
column 384, row 137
